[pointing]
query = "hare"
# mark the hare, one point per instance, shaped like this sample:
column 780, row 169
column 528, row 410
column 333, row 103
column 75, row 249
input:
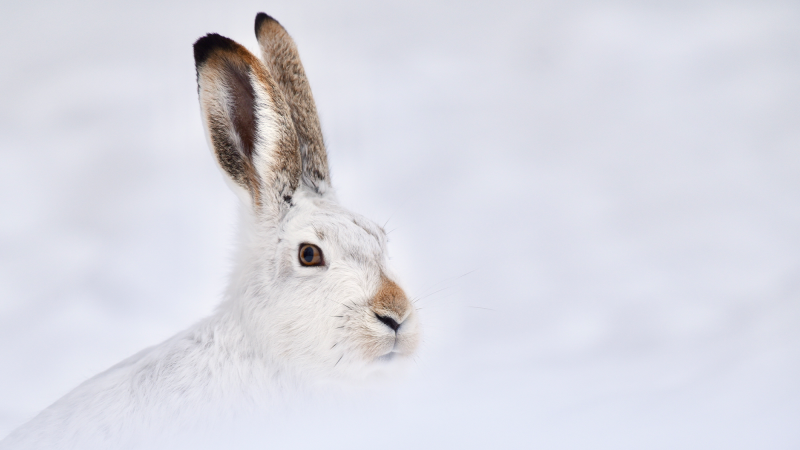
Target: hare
column 311, row 296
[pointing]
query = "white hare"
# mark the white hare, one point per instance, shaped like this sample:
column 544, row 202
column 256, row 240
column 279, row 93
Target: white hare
column 311, row 296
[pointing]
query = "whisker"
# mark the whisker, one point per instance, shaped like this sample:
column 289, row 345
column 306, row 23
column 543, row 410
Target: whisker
column 450, row 296
column 337, row 361
column 334, row 345
column 340, row 303
column 479, row 307
column 450, row 279
column 434, row 292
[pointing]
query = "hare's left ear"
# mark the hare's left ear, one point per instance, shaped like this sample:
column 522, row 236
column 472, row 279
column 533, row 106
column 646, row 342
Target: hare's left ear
column 248, row 123
column 281, row 58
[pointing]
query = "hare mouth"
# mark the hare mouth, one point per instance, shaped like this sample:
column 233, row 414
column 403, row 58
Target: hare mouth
column 387, row 357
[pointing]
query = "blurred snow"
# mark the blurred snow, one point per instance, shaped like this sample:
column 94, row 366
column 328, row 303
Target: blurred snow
column 597, row 202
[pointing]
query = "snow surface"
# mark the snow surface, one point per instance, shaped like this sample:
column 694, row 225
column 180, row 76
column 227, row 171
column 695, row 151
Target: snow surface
column 598, row 202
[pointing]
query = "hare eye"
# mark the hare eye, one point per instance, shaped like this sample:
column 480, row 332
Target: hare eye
column 310, row 255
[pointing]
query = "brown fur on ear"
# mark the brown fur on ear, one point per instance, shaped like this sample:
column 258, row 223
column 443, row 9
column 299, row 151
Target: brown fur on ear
column 248, row 121
column 283, row 61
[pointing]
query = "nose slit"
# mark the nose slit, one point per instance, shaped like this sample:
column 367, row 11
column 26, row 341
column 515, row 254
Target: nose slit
column 389, row 322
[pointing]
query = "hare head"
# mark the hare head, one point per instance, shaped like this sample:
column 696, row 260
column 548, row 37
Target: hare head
column 312, row 290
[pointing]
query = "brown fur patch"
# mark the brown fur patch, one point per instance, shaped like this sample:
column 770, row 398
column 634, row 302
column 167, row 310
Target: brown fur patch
column 390, row 300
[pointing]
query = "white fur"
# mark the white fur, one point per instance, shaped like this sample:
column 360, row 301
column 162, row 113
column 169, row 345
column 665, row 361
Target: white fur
column 282, row 327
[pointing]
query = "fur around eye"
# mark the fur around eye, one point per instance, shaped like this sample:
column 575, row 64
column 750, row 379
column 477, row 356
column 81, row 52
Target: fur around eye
column 310, row 255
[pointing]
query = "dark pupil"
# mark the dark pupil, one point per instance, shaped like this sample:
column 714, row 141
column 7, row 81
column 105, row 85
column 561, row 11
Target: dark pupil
column 308, row 254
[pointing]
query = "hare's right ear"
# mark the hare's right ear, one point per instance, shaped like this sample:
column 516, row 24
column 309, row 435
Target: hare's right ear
column 248, row 123
column 283, row 61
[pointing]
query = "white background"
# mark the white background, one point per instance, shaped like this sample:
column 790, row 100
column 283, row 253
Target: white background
column 598, row 202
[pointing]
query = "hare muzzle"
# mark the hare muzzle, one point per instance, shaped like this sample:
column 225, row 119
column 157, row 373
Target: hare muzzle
column 395, row 313
column 390, row 304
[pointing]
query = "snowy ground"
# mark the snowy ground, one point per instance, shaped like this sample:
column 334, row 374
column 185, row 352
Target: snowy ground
column 600, row 203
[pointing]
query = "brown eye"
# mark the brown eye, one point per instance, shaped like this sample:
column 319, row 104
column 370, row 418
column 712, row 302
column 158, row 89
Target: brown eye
column 310, row 255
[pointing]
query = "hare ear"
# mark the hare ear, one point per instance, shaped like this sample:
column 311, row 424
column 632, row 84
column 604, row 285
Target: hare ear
column 280, row 55
column 248, row 122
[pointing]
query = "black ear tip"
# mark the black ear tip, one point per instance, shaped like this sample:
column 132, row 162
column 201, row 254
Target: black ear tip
column 206, row 45
column 261, row 19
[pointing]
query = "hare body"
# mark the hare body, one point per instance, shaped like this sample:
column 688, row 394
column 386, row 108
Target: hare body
column 311, row 296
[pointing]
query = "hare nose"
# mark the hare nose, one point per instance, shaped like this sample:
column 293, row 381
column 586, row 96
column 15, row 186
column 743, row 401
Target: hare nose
column 389, row 322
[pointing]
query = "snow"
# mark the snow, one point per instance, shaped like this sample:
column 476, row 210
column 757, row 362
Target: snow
column 598, row 204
